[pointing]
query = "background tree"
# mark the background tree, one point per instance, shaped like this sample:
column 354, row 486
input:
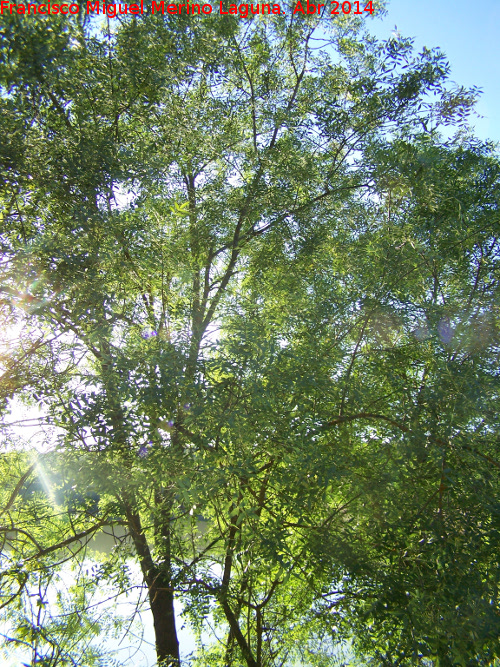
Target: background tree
column 259, row 288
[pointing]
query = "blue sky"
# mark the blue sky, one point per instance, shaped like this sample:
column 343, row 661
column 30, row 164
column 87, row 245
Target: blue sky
column 468, row 32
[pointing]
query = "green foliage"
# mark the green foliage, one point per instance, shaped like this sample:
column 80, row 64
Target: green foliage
column 256, row 295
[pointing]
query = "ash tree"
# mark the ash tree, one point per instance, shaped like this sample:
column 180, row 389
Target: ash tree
column 251, row 267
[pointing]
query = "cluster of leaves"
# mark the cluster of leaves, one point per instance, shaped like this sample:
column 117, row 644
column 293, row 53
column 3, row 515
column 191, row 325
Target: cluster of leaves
column 53, row 601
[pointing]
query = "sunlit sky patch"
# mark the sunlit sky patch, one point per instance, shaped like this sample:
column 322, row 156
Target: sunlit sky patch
column 469, row 35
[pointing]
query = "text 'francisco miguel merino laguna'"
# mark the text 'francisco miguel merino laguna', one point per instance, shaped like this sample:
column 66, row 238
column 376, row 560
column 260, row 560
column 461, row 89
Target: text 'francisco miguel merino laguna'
column 160, row 7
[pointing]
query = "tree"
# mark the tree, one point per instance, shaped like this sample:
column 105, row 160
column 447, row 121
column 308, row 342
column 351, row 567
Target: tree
column 226, row 242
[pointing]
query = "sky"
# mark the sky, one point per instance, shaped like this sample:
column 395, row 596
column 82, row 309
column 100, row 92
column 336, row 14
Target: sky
column 468, row 32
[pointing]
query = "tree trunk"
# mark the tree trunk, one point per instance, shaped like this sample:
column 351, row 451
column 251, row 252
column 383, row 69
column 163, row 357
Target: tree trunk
column 160, row 591
column 161, row 599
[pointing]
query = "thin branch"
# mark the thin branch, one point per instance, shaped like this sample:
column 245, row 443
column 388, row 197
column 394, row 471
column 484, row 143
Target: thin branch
column 17, row 489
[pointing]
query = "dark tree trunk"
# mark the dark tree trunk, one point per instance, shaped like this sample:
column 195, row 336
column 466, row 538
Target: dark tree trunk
column 161, row 599
column 160, row 591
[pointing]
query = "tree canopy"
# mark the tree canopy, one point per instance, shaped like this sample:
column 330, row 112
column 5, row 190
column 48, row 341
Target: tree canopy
column 251, row 267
